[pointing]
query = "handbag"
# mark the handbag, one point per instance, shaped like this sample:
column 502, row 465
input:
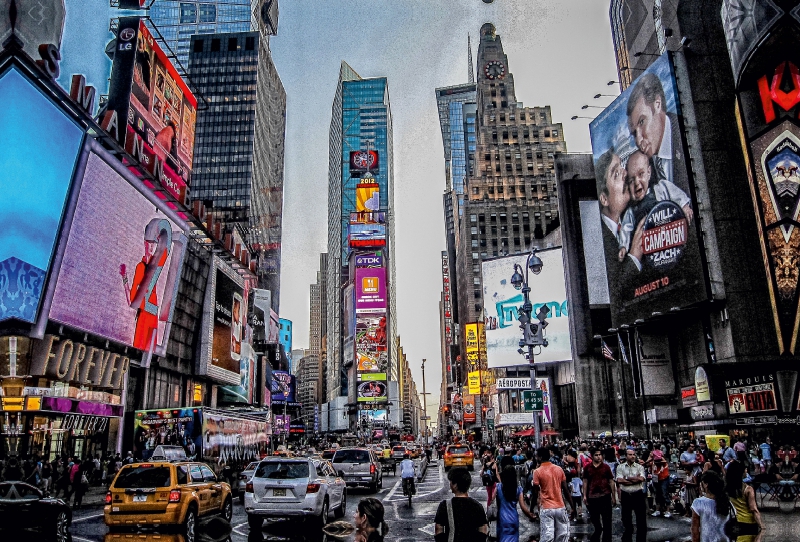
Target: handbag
column 491, row 510
column 734, row 528
column 84, row 480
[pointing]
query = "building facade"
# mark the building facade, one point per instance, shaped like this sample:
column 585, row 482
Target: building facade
column 240, row 142
column 318, row 328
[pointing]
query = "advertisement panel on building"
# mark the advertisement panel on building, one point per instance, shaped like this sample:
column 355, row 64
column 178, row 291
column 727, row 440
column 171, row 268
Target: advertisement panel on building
column 38, row 156
column 243, row 393
column 472, row 334
column 469, row 409
column 122, row 260
column 501, row 301
column 369, row 260
column 370, row 290
column 150, row 110
column 370, row 343
column 542, row 384
column 233, row 439
column 283, row 387
column 372, row 388
column 349, row 310
column 229, row 310
column 259, row 319
column 655, row 364
column 474, row 382
column 652, row 253
column 368, row 196
column 364, row 235
column 362, row 162
column 282, row 423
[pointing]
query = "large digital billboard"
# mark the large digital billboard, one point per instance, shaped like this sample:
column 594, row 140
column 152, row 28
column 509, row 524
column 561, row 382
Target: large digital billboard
column 652, row 252
column 370, row 289
column 170, row 427
column 501, row 301
column 283, row 387
column 150, row 109
column 121, row 266
column 39, row 149
column 230, row 310
column 243, row 392
column 366, row 235
column 370, row 343
column 372, row 388
column 362, row 162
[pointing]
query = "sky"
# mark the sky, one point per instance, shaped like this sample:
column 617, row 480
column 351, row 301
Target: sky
column 560, row 52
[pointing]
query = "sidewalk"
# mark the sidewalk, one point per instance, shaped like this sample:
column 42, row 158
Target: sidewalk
column 94, row 497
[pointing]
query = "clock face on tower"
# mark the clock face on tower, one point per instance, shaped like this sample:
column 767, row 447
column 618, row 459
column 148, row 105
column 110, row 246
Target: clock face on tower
column 494, row 69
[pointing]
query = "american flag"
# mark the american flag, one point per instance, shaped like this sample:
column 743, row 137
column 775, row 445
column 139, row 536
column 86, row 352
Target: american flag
column 607, row 353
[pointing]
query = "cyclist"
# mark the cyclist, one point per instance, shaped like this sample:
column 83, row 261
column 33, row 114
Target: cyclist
column 407, row 473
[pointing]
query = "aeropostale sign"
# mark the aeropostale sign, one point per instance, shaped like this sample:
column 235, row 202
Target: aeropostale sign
column 71, row 361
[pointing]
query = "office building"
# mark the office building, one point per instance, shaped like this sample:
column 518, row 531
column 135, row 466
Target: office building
column 239, row 149
column 318, row 313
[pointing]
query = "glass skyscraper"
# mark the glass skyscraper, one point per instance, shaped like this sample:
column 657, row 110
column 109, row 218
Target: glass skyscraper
column 361, row 120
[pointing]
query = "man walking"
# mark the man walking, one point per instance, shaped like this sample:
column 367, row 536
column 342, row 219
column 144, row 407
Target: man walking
column 599, row 495
column 462, row 519
column 550, row 482
column 631, row 478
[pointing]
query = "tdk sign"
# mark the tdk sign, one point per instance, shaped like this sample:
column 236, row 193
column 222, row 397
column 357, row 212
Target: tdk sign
column 369, row 260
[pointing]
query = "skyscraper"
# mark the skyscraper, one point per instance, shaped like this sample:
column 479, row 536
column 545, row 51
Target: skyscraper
column 318, row 314
column 239, row 149
column 178, row 21
column 360, row 120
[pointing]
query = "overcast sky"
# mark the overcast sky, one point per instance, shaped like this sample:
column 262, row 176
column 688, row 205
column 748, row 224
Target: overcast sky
column 560, row 53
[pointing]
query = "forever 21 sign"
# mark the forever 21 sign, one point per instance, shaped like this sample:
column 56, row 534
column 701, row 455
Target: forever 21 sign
column 72, row 361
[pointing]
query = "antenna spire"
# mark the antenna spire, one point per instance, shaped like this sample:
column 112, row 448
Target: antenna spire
column 469, row 60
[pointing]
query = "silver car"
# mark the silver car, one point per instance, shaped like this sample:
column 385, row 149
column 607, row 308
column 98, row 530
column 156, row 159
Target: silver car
column 244, row 476
column 294, row 488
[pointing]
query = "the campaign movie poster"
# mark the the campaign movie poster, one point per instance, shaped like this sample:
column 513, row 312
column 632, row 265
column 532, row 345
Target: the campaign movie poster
column 650, row 240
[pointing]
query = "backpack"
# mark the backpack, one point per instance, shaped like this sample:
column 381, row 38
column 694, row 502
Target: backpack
column 487, row 476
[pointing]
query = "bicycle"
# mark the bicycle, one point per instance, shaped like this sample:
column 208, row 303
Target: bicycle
column 409, row 489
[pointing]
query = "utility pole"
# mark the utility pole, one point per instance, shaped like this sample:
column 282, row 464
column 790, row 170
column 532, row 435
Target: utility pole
column 424, row 402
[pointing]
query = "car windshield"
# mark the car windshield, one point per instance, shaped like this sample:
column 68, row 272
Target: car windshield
column 252, row 466
column 459, row 450
column 282, row 470
column 351, row 456
column 143, row 476
column 328, row 454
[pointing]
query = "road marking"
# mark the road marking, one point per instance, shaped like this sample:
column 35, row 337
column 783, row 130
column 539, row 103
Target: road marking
column 81, row 539
column 429, row 529
column 394, row 489
column 235, row 529
column 84, row 518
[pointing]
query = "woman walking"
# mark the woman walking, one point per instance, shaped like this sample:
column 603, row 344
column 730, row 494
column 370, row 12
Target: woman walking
column 489, row 475
column 509, row 494
column 743, row 500
column 711, row 511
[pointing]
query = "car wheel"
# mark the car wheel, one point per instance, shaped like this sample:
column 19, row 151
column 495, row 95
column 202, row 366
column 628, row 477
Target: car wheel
column 60, row 527
column 322, row 520
column 373, row 487
column 227, row 510
column 342, row 510
column 255, row 522
column 190, row 524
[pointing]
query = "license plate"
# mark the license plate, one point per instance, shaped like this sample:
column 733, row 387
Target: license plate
column 278, row 492
column 140, row 498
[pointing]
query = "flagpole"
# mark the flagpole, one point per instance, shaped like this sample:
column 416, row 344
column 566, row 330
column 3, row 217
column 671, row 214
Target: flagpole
column 625, row 414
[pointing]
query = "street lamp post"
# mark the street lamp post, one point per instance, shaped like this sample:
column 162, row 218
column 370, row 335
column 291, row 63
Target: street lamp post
column 532, row 334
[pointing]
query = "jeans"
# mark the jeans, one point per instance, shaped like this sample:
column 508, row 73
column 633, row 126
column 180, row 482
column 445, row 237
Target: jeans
column 635, row 503
column 553, row 525
column 661, row 490
column 600, row 509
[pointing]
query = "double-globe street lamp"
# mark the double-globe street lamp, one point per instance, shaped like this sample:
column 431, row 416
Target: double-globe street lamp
column 532, row 332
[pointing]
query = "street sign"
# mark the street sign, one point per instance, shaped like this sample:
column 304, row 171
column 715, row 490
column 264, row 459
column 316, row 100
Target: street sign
column 490, row 424
column 533, row 400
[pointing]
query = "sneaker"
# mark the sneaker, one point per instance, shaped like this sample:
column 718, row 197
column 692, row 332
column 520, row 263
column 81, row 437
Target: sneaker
column 667, row 515
column 656, row 513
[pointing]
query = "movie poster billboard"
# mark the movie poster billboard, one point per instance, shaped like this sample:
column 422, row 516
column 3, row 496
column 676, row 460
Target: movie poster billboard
column 168, row 427
column 37, row 157
column 229, row 316
column 283, row 387
column 652, row 253
column 242, row 393
column 151, row 111
column 122, row 260
column 370, row 343
column 363, row 161
column 501, row 302
column 372, row 387
column 473, row 334
column 370, row 289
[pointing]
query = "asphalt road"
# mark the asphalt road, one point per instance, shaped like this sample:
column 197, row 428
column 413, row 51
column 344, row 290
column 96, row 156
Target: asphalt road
column 406, row 524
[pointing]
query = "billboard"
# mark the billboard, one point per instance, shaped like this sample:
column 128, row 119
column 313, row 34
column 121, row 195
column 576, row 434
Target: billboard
column 282, row 423
column 501, row 301
column 469, row 409
column 170, row 427
column 230, row 310
column 151, row 111
column 370, row 289
column 372, row 387
column 652, row 253
column 363, row 161
column 474, row 382
column 232, row 440
column 369, row 260
column 366, row 235
column 38, row 155
column 370, row 343
column 473, row 333
column 243, row 393
column 122, row 260
column 283, row 387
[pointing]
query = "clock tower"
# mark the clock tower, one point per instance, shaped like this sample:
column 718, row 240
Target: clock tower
column 493, row 71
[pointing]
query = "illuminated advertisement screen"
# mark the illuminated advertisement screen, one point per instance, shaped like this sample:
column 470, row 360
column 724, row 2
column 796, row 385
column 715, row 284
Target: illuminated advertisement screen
column 368, row 217
column 233, row 439
column 374, row 418
column 469, row 408
column 349, row 310
column 39, row 149
column 650, row 242
column 243, row 393
column 121, row 266
column 370, row 289
column 168, row 427
column 283, row 387
column 372, row 387
column 370, row 343
column 501, row 301
column 363, row 161
column 151, row 102
column 367, row 235
column 282, row 423
column 369, row 260
column 368, row 197
column 230, row 310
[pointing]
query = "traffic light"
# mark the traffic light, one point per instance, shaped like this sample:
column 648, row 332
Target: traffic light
column 446, row 409
column 483, row 410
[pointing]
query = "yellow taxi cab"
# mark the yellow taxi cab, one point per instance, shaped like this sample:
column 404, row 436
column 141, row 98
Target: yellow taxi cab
column 459, row 455
column 414, row 451
column 162, row 493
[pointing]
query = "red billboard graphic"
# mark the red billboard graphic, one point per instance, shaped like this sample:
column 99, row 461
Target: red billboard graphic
column 151, row 111
column 362, row 162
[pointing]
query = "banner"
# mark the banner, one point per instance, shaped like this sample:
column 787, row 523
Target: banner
column 474, row 382
column 469, row 409
column 650, row 239
column 472, row 341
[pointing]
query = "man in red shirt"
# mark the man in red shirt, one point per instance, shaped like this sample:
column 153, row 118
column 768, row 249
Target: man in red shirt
column 550, row 483
column 599, row 495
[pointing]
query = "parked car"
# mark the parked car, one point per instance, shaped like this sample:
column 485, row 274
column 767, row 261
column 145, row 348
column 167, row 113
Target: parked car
column 458, row 456
column 24, row 506
column 358, row 467
column 244, row 476
column 161, row 493
column 294, row 488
